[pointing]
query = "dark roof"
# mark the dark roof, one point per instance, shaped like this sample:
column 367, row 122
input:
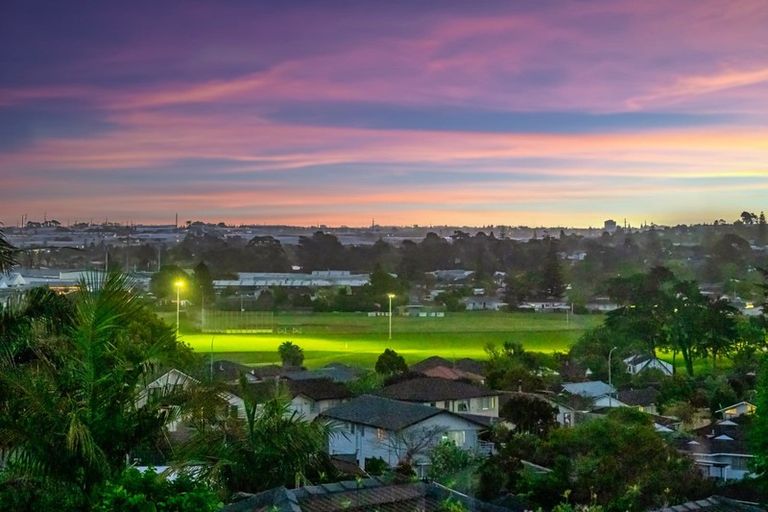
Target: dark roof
column 380, row 412
column 723, row 436
column 430, row 389
column 358, row 496
column 335, row 373
column 466, row 365
column 430, row 362
column 318, row 389
column 643, row 397
column 224, row 370
column 713, row 504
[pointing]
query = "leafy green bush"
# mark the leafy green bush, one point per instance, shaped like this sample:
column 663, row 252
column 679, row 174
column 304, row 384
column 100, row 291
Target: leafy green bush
column 151, row 492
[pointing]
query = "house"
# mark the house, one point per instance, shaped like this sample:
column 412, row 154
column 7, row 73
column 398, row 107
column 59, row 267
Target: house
column 230, row 372
column 461, row 369
column 590, row 389
column 598, row 394
column 312, row 397
column 484, row 303
column 373, row 426
column 643, row 399
column 174, row 381
column 720, row 450
column 371, row 494
column 336, row 372
column 545, row 306
column 451, row 395
column 466, row 364
column 713, row 504
column 737, row 410
column 639, row 363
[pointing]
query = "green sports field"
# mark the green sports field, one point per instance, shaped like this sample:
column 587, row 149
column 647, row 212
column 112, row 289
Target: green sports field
column 356, row 338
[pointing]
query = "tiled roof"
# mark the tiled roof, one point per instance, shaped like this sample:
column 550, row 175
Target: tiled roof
column 443, row 372
column 360, row 495
column 466, row 365
column 429, row 389
column 713, row 504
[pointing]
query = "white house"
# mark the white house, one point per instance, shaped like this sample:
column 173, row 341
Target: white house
column 312, row 397
column 174, row 381
column 721, row 451
column 639, row 363
column 372, row 426
column 736, row 410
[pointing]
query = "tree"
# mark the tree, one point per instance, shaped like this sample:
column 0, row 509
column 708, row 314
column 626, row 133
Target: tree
column 762, row 230
column 163, row 281
column 203, row 283
column 758, row 433
column 271, row 447
column 552, row 285
column 291, row 354
column 529, row 414
column 748, row 218
column 618, row 461
column 446, row 460
column 72, row 386
column 390, row 363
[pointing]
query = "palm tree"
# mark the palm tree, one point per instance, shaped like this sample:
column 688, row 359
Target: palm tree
column 270, row 447
column 290, row 354
column 69, row 381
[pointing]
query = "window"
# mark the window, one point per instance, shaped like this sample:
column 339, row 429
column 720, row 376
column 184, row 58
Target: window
column 462, row 406
column 567, row 419
column 487, row 403
column 457, row 437
column 381, row 434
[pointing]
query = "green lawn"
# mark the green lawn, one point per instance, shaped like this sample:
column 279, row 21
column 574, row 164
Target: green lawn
column 358, row 339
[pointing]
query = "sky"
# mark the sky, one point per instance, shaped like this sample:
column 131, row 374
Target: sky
column 539, row 113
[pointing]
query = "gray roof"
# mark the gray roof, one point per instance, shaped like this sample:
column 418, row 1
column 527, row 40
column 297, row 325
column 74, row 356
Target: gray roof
column 591, row 389
column 379, row 412
column 429, row 389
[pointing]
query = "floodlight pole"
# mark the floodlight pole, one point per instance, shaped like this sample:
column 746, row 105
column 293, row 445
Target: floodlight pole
column 178, row 307
column 390, row 296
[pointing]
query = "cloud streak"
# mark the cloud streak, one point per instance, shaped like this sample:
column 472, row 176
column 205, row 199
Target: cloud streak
column 495, row 113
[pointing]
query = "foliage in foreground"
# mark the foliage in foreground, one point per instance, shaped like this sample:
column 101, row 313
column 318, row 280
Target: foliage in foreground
column 151, row 492
column 272, row 447
column 70, row 376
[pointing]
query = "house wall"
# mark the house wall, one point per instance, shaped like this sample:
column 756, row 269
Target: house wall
column 483, row 406
column 736, row 469
column 369, row 442
column 309, row 409
column 738, row 410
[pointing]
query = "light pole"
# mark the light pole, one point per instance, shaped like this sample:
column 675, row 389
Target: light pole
column 610, row 393
column 390, row 296
column 179, row 284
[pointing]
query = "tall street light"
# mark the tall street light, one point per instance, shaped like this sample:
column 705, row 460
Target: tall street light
column 390, row 296
column 179, row 284
column 610, row 394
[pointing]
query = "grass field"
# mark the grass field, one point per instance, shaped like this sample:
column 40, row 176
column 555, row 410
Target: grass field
column 355, row 338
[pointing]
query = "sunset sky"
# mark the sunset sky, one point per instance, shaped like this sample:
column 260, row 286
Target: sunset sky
column 417, row 112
